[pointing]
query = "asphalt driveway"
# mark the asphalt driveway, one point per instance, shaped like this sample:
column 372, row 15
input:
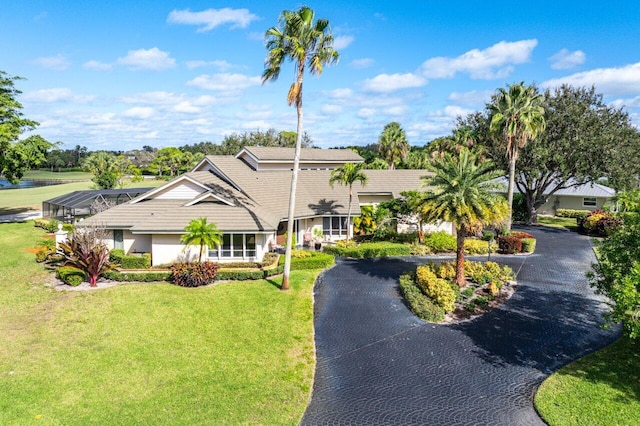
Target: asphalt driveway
column 378, row 364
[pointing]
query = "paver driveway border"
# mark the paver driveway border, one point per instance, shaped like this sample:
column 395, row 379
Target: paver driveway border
column 378, row 364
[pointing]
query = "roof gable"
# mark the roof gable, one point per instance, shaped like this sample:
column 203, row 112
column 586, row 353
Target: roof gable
column 277, row 158
column 181, row 188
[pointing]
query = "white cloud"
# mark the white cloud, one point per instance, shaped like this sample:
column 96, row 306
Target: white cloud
column 366, row 112
column 256, row 125
column 472, row 98
column 159, row 97
column 212, row 18
column 610, row 81
column 627, row 103
column 331, row 109
column 224, row 82
column 148, row 59
column 97, row 66
column 341, row 93
column 493, row 62
column 186, row 107
column 362, row 63
column 139, row 112
column 58, row 94
column 396, row 110
column 342, row 42
column 564, row 60
column 55, row 63
column 219, row 64
column 384, row 83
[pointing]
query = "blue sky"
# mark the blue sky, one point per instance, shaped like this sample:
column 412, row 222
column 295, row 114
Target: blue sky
column 120, row 74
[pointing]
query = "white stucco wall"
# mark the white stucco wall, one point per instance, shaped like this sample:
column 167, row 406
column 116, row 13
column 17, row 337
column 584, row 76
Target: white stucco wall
column 137, row 243
column 569, row 202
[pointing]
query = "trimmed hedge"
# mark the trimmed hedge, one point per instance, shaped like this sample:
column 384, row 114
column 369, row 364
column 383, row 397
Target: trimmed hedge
column 440, row 241
column 437, row 289
column 577, row 214
column 70, row 275
column 51, row 225
column 146, row 276
column 528, row 245
column 422, row 306
column 509, row 245
column 368, row 250
column 130, row 262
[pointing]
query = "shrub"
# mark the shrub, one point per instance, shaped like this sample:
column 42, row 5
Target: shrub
column 577, row 214
column 589, row 222
column 474, row 246
column 607, row 225
column 440, row 241
column 193, row 274
column 270, row 259
column 241, row 274
column 446, row 270
column 147, row 276
column 528, row 245
column 130, row 262
column 300, row 254
column 482, row 302
column 436, row 288
column 509, row 245
column 422, row 306
column 520, row 234
column 420, row 250
column 85, row 251
column 367, row 250
column 314, row 261
column 70, row 275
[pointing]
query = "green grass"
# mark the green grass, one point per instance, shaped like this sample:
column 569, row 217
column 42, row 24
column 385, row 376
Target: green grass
column 47, row 175
column 14, row 201
column 558, row 222
column 600, row 389
column 233, row 353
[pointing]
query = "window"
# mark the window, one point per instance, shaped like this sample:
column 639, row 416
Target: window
column 118, row 239
column 235, row 246
column 334, row 225
column 589, row 202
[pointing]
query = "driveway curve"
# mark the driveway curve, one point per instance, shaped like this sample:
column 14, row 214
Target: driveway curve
column 379, row 364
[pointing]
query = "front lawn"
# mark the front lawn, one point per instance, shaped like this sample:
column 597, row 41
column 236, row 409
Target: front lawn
column 238, row 352
column 559, row 222
column 600, row 389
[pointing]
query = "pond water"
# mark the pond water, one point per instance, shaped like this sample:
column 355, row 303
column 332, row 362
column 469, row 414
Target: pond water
column 27, row 183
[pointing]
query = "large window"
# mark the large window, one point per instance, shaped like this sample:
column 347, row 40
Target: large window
column 334, row 226
column 237, row 246
column 589, row 202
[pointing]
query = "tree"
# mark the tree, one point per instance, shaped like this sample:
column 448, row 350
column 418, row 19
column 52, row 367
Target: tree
column 465, row 193
column 307, row 44
column 617, row 274
column 110, row 170
column 393, row 145
column 517, row 115
column 347, row 175
column 12, row 125
column 200, row 233
column 585, row 140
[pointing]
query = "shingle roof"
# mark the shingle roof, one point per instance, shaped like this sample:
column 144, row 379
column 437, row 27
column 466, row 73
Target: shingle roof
column 243, row 199
column 263, row 153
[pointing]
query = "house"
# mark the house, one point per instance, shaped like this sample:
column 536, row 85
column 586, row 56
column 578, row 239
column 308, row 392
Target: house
column 247, row 197
column 587, row 196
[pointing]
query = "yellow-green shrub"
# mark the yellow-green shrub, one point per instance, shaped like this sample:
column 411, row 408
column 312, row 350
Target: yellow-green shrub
column 446, row 270
column 589, row 223
column 436, row 288
column 474, row 246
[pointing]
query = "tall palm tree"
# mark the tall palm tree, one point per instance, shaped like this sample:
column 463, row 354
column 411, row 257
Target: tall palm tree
column 393, row 144
column 200, row 233
column 347, row 175
column 307, row 43
column 517, row 115
column 466, row 194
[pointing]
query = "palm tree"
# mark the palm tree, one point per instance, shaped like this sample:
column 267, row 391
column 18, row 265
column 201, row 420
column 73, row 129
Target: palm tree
column 393, row 144
column 516, row 116
column 307, row 44
column 466, row 194
column 200, row 233
column 347, row 175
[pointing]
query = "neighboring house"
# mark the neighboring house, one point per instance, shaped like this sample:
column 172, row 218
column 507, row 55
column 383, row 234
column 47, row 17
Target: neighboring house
column 247, row 197
column 588, row 196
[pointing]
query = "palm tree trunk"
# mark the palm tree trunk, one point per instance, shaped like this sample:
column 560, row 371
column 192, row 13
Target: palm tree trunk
column 512, row 179
column 349, row 213
column 292, row 193
column 460, row 258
